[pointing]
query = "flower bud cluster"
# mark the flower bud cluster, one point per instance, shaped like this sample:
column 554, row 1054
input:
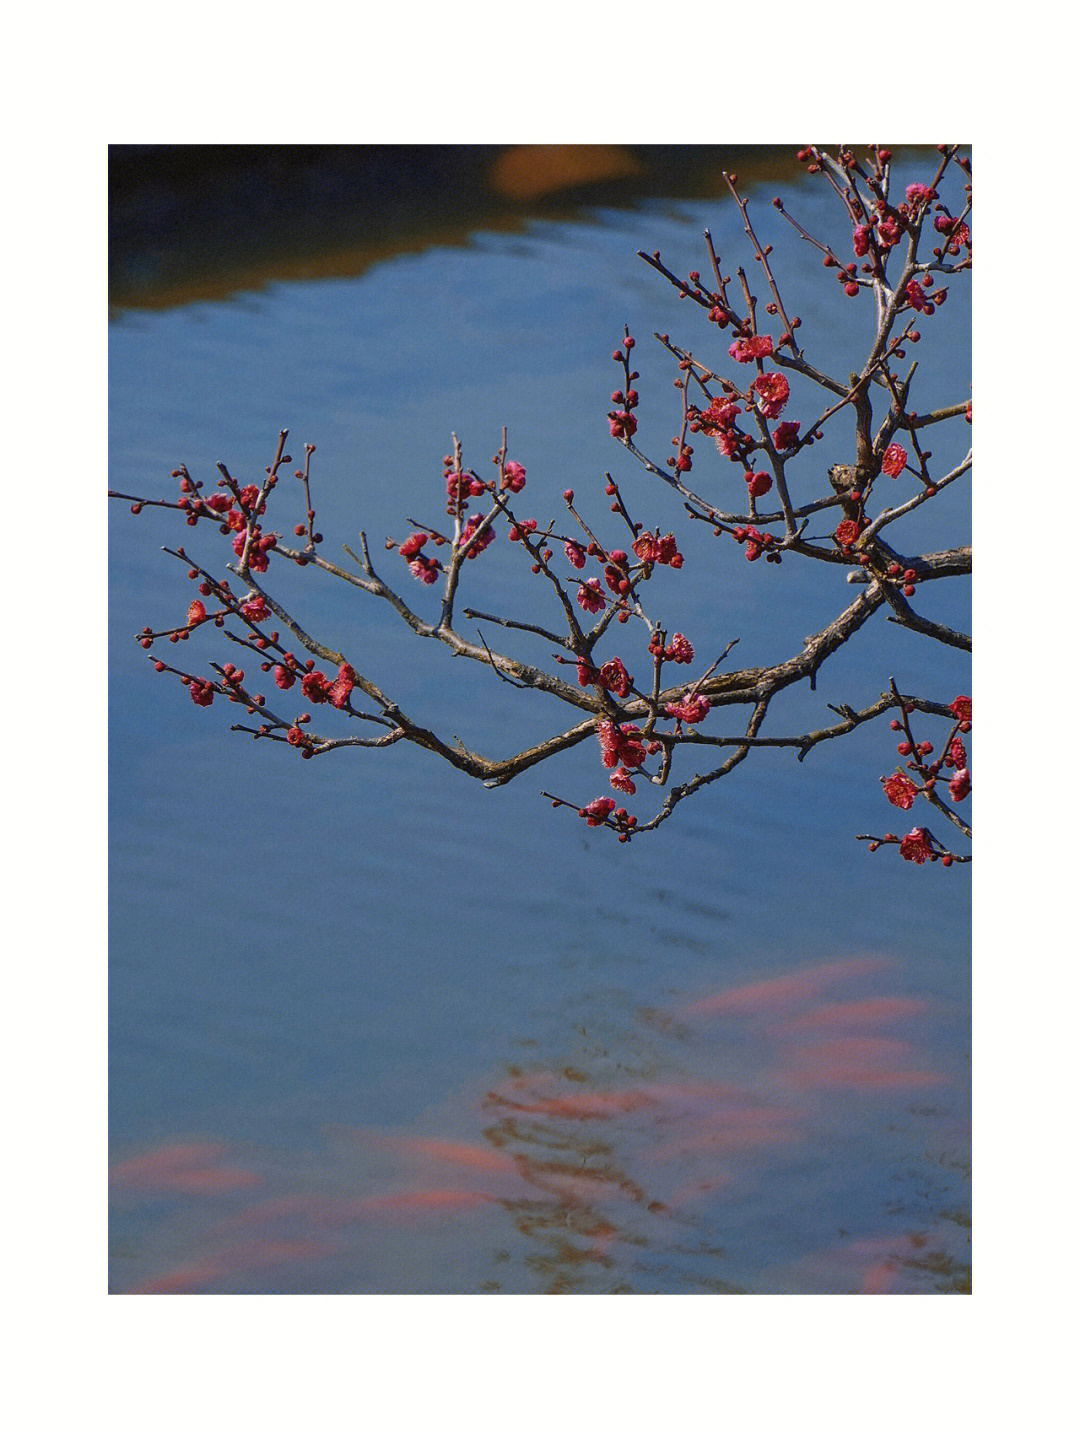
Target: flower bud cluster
column 680, row 650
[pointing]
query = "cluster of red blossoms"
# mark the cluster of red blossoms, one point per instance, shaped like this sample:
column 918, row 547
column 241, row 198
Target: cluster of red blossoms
column 424, row 567
column 883, row 229
column 680, row 650
column 773, row 393
column 769, row 392
column 320, row 690
column 202, row 692
column 718, row 422
column 482, row 540
column 620, row 744
column 459, row 487
column 918, row 845
column 757, row 542
column 616, row 576
column 590, row 596
column 234, row 508
column 611, row 676
column 603, row 810
column 901, row 790
column 691, row 709
column 621, row 421
column 652, row 549
column 755, row 347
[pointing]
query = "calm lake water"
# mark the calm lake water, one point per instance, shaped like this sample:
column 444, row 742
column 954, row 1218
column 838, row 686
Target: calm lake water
column 376, row 1029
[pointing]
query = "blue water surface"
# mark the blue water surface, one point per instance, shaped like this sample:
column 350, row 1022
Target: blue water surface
column 375, row 1028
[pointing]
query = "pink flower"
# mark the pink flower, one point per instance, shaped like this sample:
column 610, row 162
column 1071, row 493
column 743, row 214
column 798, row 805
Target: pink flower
column 196, row 612
column 916, row 846
column 773, row 391
column 256, row 559
column 916, row 295
column 283, row 677
column 691, row 709
column 342, row 687
column 316, row 687
column 255, row 609
column 656, row 550
column 847, row 532
column 786, row 434
column 956, row 754
column 893, row 460
column 888, row 232
column 620, row 779
column 919, row 194
column 615, row 573
column 425, row 569
column 597, row 812
column 591, row 597
column 961, row 707
column 754, row 348
column 459, row 486
column 680, row 650
column 899, row 790
column 960, row 785
column 479, row 545
column 759, row 484
column 860, row 239
column 413, row 545
column 718, row 422
column 957, row 231
column 719, row 416
column 613, row 677
column 202, row 692
column 514, row 476
column 575, row 554
column 620, row 745
column 622, row 424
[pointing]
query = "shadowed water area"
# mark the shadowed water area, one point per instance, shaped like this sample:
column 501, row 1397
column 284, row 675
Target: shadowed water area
column 377, row 1029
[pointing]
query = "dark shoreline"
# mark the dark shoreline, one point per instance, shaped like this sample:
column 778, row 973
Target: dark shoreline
column 193, row 222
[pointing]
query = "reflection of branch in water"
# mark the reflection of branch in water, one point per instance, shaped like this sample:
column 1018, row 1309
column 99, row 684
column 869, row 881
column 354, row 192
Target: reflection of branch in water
column 585, row 1201
column 626, row 1166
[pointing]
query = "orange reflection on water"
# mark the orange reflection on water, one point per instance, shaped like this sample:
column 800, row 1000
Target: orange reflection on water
column 856, row 1062
column 454, row 1153
column 855, row 1013
column 181, row 1169
column 769, row 995
column 735, row 1128
column 878, row 1264
column 232, row 1263
column 596, row 1105
column 607, row 1170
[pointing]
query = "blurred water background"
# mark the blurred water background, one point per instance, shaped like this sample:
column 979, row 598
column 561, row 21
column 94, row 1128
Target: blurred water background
column 376, row 1029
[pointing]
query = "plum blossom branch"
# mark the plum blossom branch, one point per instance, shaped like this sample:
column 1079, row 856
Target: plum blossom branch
column 744, row 403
